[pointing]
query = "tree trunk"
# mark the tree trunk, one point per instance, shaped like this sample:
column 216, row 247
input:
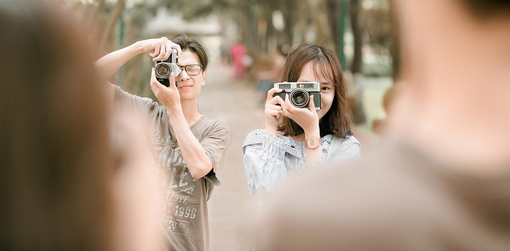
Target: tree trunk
column 303, row 23
column 394, row 44
column 356, row 31
column 270, row 33
column 357, row 106
column 112, row 20
column 251, row 29
column 321, row 22
column 336, row 21
column 289, row 23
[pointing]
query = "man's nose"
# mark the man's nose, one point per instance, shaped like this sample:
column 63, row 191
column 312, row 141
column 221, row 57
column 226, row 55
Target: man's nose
column 183, row 76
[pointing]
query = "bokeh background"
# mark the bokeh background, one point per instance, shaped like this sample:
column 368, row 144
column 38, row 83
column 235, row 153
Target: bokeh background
column 359, row 31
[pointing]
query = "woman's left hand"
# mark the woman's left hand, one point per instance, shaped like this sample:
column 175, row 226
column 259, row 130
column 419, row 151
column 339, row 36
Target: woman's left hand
column 307, row 118
column 168, row 96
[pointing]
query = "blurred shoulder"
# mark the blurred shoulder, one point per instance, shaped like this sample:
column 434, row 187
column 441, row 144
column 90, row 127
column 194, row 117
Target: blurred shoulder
column 347, row 203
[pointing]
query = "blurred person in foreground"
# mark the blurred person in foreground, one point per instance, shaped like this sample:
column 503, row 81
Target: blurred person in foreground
column 442, row 181
column 297, row 140
column 187, row 147
column 65, row 182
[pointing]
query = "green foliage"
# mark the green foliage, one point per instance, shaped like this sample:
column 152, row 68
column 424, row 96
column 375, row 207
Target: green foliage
column 192, row 10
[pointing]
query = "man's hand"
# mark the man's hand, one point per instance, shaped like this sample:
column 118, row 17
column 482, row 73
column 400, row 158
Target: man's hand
column 168, row 96
column 159, row 48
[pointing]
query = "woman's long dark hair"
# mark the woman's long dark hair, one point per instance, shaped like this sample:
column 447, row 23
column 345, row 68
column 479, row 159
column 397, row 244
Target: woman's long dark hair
column 337, row 120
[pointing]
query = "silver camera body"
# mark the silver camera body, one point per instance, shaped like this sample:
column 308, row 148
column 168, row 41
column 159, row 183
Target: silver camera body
column 163, row 69
column 300, row 92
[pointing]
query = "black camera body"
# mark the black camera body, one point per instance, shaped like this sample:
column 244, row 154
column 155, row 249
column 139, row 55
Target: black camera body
column 300, row 92
column 164, row 68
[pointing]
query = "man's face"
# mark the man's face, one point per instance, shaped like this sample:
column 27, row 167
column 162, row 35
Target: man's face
column 189, row 86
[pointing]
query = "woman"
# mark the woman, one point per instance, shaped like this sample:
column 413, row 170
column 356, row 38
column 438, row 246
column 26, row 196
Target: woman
column 286, row 147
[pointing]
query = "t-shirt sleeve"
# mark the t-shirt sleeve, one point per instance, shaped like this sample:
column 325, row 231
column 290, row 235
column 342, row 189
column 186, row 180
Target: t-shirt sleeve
column 215, row 145
column 124, row 100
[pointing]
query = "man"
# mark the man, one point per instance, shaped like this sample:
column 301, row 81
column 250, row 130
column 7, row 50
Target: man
column 442, row 181
column 187, row 145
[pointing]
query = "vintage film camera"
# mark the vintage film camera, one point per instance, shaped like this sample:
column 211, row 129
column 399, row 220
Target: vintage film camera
column 299, row 93
column 164, row 68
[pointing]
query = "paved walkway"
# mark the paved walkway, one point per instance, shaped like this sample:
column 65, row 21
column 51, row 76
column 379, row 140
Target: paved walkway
column 232, row 210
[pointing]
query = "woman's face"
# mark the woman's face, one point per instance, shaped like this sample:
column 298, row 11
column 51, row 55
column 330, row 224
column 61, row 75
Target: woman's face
column 308, row 73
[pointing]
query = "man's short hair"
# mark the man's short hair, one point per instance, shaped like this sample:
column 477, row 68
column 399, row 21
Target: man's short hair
column 187, row 43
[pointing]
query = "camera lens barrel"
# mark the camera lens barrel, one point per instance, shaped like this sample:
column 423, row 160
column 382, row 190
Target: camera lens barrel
column 163, row 70
column 299, row 97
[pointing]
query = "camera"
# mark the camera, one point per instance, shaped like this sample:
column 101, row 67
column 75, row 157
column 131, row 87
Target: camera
column 164, row 68
column 299, row 93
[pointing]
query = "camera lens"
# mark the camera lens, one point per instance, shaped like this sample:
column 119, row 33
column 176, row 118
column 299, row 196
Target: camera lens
column 299, row 97
column 162, row 70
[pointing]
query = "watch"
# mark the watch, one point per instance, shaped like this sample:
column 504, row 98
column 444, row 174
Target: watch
column 312, row 142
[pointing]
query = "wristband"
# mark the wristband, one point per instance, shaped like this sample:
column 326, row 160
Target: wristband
column 312, row 142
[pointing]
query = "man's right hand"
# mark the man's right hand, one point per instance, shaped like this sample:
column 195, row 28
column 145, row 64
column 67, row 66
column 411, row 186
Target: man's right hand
column 159, row 48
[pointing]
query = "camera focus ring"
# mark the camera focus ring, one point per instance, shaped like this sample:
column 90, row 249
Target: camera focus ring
column 299, row 97
column 163, row 70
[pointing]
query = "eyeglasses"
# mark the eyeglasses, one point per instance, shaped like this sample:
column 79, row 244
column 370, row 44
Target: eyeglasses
column 192, row 69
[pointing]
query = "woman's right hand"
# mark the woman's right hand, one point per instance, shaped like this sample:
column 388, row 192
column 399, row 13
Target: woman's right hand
column 159, row 48
column 273, row 110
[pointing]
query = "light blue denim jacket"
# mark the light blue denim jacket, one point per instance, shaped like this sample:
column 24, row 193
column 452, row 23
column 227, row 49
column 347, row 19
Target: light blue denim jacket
column 270, row 160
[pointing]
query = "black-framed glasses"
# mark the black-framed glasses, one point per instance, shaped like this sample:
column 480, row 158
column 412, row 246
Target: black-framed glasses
column 192, row 69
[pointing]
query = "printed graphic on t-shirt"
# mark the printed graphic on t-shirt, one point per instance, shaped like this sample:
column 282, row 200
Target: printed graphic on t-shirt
column 182, row 200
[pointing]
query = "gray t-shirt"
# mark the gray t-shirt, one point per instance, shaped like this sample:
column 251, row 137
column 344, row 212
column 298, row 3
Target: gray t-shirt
column 184, row 213
column 394, row 199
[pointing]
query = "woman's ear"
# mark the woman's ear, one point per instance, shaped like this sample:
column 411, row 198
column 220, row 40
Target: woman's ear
column 204, row 74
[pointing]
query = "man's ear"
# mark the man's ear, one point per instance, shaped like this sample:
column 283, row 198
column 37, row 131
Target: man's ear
column 204, row 74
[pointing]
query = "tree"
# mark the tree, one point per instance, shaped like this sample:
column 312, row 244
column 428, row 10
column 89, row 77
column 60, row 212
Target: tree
column 312, row 21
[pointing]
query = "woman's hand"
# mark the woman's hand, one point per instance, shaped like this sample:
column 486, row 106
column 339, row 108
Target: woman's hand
column 168, row 96
column 307, row 118
column 159, row 48
column 273, row 110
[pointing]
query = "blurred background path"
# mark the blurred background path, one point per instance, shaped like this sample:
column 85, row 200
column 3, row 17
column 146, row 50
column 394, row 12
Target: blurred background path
column 232, row 210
